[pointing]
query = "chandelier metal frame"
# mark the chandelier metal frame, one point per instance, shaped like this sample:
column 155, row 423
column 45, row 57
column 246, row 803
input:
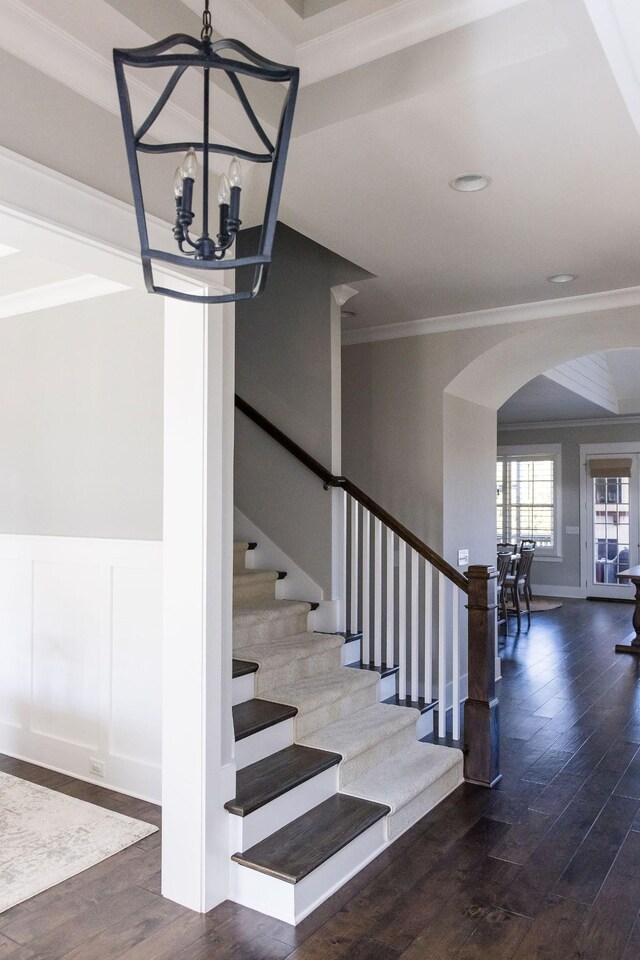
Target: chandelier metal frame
column 207, row 252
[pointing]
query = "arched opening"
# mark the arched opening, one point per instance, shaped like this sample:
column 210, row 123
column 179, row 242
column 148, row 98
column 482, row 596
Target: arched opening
column 588, row 539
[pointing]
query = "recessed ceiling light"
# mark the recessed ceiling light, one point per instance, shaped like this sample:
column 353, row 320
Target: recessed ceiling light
column 562, row 277
column 347, row 314
column 469, row 182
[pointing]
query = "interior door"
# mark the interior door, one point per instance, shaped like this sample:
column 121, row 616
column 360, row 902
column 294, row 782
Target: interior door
column 612, row 524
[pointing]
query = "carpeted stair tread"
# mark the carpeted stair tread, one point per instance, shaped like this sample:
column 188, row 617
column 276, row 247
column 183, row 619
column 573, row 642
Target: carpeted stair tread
column 363, row 730
column 255, row 715
column 312, row 692
column 400, row 778
column 243, row 667
column 265, row 780
column 296, row 850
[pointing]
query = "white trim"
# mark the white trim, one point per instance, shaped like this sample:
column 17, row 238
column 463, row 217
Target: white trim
column 55, row 294
column 557, row 424
column 515, row 313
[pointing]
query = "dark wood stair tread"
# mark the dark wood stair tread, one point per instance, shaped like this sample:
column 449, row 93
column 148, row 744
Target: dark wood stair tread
column 295, row 851
column 255, row 715
column 419, row 704
column 242, row 667
column 382, row 669
column 263, row 781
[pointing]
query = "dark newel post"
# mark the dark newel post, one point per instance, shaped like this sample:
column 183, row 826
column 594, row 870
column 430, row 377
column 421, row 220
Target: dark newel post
column 481, row 712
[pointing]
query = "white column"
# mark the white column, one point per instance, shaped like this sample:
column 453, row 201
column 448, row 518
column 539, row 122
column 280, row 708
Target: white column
column 198, row 774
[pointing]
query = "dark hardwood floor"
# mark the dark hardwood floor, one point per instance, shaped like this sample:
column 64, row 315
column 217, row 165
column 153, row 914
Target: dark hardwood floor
column 546, row 867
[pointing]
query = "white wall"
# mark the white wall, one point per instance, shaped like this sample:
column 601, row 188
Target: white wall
column 80, row 647
column 81, row 411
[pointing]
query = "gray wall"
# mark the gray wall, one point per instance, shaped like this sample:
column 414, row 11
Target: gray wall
column 81, row 419
column 427, row 457
column 284, row 370
column 566, row 573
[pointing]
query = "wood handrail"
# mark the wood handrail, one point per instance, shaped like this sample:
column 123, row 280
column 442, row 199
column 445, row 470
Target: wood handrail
column 330, row 480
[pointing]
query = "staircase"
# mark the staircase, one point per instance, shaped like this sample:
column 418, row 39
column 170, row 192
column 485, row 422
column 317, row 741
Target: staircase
column 328, row 775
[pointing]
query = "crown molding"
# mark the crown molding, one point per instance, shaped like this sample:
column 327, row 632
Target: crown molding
column 516, row 313
column 558, row 424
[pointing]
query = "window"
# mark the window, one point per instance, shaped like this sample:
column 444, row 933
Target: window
column 527, row 488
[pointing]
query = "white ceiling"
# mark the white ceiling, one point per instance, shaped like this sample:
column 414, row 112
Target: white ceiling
column 397, row 98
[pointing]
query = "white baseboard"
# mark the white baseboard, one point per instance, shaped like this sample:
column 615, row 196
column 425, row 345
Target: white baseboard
column 548, row 590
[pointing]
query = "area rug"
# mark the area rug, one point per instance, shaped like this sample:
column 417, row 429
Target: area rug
column 538, row 604
column 47, row 837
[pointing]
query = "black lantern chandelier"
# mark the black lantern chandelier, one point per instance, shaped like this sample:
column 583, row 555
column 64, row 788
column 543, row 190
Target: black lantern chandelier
column 203, row 240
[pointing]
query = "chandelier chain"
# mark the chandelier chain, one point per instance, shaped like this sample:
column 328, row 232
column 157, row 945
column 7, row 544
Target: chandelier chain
column 207, row 29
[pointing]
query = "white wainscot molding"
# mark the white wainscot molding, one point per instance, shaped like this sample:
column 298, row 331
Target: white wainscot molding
column 81, row 654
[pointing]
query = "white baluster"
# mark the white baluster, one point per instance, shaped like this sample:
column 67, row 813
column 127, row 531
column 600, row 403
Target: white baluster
column 428, row 632
column 455, row 663
column 391, row 562
column 366, row 586
column 377, row 592
column 402, row 620
column 415, row 625
column 344, row 610
column 442, row 655
column 355, row 545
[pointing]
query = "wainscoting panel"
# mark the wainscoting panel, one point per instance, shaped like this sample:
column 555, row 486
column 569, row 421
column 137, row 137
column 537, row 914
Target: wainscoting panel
column 80, row 642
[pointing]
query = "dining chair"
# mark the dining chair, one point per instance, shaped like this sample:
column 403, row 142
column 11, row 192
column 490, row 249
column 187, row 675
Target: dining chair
column 503, row 565
column 506, row 548
column 528, row 545
column 517, row 584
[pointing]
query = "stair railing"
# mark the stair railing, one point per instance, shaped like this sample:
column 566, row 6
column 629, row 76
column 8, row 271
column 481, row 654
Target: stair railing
column 412, row 617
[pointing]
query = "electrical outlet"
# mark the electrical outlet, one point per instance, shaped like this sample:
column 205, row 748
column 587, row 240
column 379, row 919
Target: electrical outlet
column 96, row 767
column 463, row 557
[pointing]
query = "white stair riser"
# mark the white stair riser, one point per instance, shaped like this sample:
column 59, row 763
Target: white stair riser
column 306, row 723
column 424, row 726
column 263, row 744
column 243, row 688
column 246, row 831
column 291, row 902
column 388, row 687
column 350, row 652
column 297, row 670
column 249, row 633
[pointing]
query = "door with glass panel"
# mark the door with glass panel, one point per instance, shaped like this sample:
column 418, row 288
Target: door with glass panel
column 612, row 518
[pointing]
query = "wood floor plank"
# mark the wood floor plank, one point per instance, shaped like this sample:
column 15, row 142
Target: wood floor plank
column 614, row 912
column 586, row 872
column 554, row 932
column 498, row 935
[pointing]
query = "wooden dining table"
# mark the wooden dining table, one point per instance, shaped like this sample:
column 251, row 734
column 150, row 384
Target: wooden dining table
column 632, row 574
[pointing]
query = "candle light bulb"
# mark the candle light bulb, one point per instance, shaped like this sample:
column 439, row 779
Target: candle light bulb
column 235, row 173
column 224, row 191
column 178, row 182
column 190, row 164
